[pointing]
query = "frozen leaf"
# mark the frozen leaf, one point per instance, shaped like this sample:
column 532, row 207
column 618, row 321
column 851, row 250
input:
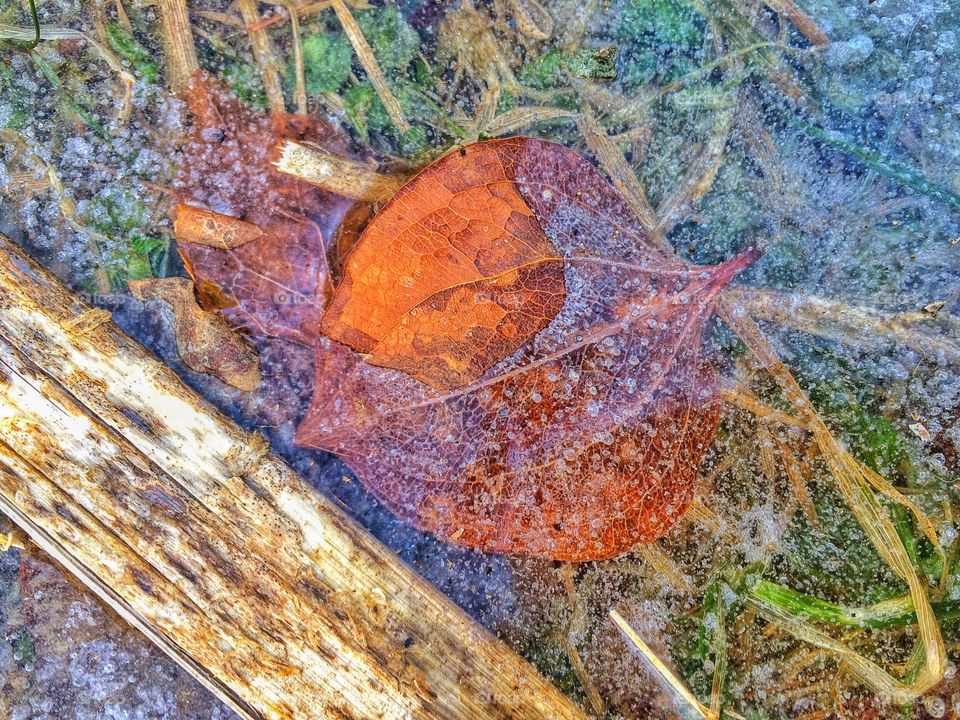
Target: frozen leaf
column 204, row 341
column 585, row 440
column 274, row 284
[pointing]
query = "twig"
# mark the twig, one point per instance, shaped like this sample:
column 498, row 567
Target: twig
column 180, row 53
column 365, row 54
column 263, row 53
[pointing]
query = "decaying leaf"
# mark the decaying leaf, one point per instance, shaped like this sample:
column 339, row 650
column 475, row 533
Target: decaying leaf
column 276, row 283
column 454, row 274
column 196, row 225
column 204, row 341
column 588, row 437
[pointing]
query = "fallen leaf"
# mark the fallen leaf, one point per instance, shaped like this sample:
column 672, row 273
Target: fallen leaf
column 453, row 274
column 204, row 341
column 196, row 225
column 274, row 284
column 585, row 440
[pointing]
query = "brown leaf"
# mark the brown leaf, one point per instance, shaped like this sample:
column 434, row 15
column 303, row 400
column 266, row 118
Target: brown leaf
column 274, row 284
column 453, row 275
column 205, row 343
column 585, row 440
column 196, row 225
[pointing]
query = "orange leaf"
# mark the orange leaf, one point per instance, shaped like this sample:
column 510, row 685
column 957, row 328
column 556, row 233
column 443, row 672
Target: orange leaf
column 452, row 275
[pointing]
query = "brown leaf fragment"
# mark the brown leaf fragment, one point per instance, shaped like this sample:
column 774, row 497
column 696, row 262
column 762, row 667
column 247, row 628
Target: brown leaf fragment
column 205, row 343
column 275, row 284
column 196, row 225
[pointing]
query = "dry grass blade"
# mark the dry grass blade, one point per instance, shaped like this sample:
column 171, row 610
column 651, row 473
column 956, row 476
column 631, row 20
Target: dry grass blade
column 513, row 120
column 858, row 326
column 180, row 55
column 699, row 177
column 575, row 627
column 347, row 178
column 223, row 18
column 532, row 19
column 672, row 681
column 719, row 647
column 654, row 557
column 742, row 396
column 619, row 170
column 803, row 22
column 791, row 467
column 300, row 94
column 767, row 462
column 264, row 54
column 303, row 10
column 487, row 108
column 863, row 668
column 47, row 32
column 699, row 513
column 365, row 54
column 854, row 481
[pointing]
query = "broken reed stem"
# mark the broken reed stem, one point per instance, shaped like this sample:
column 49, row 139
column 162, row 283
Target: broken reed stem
column 180, row 55
column 336, row 174
column 365, row 54
column 264, row 54
column 672, row 681
column 300, row 94
column 854, row 481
